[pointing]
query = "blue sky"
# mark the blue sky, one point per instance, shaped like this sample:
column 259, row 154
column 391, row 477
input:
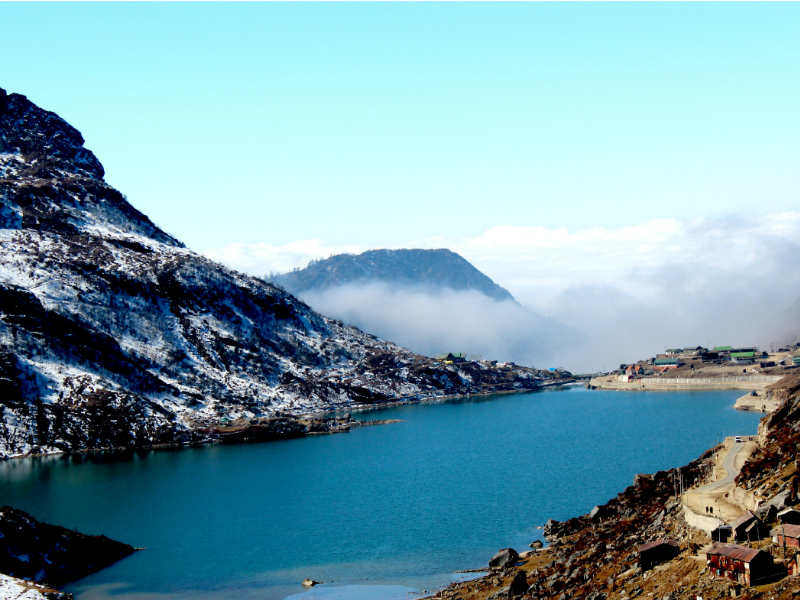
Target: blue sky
column 372, row 125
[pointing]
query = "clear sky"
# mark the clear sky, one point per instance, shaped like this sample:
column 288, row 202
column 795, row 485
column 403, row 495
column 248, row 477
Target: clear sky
column 377, row 124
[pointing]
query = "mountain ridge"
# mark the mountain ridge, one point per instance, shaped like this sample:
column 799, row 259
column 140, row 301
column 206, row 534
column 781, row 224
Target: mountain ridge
column 114, row 335
column 405, row 266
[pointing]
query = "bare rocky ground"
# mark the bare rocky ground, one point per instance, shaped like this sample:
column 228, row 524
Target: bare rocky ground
column 595, row 556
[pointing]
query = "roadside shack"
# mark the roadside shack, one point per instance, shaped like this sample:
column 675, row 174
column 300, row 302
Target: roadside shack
column 739, row 563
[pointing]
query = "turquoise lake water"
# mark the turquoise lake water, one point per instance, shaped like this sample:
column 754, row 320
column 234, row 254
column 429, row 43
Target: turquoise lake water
column 382, row 512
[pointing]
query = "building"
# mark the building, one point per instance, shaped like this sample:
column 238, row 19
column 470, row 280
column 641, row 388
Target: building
column 722, row 533
column 748, row 566
column 633, row 370
column 748, row 527
column 453, row 357
column 787, row 536
column 655, row 552
column 746, row 357
column 789, row 516
column 665, row 364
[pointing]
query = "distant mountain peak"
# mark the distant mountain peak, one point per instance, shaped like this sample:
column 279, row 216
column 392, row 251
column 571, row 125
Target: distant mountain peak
column 440, row 268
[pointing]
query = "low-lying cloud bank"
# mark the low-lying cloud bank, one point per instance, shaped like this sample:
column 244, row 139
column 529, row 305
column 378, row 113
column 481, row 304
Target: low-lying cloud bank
column 437, row 321
column 629, row 291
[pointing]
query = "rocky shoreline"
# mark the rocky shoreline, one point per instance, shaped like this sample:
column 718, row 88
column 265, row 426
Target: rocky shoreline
column 283, row 426
column 35, row 557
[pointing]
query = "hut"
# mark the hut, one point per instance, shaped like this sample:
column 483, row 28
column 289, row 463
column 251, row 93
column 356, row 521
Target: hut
column 658, row 551
column 748, row 527
column 786, row 536
column 790, row 516
column 748, row 566
column 722, row 533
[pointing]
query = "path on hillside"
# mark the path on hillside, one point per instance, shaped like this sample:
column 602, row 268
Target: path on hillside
column 716, row 494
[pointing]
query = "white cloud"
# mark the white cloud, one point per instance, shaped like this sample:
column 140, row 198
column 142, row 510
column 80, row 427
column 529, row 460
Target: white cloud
column 262, row 258
column 630, row 290
column 435, row 321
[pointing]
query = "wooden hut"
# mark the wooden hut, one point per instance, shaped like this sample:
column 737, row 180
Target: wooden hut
column 790, row 516
column 748, row 527
column 748, row 566
column 657, row 551
column 786, row 536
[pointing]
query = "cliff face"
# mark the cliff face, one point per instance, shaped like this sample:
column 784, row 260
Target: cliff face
column 113, row 334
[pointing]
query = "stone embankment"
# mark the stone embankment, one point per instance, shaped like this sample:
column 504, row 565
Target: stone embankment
column 730, row 382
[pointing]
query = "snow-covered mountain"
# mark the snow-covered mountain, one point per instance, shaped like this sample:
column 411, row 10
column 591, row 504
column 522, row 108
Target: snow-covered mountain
column 113, row 334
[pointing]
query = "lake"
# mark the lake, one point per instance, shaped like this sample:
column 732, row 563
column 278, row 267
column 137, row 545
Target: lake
column 381, row 512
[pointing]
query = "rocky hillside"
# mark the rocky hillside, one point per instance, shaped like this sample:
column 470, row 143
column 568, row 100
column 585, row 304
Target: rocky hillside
column 113, row 334
column 773, row 467
column 426, row 268
column 50, row 554
column 595, row 556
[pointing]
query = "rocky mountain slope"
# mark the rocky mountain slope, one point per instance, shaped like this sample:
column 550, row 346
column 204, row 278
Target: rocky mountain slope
column 440, row 268
column 36, row 551
column 113, row 334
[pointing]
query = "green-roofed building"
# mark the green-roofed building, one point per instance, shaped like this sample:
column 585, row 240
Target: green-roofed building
column 662, row 362
column 722, row 348
column 746, row 354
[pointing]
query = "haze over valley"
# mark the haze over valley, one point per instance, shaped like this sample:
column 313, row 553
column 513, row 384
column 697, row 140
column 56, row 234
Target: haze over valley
column 587, row 300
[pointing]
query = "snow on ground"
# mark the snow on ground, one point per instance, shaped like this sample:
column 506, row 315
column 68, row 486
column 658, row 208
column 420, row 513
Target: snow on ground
column 12, row 588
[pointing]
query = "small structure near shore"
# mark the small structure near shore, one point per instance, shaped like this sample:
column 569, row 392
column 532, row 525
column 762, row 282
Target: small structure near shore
column 748, row 527
column 722, row 533
column 740, row 563
column 789, row 516
column 786, row 536
column 655, row 552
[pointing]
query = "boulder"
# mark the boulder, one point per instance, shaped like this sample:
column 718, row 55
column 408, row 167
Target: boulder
column 518, row 585
column 310, row 582
column 642, row 481
column 596, row 513
column 551, row 527
column 536, row 544
column 507, row 557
